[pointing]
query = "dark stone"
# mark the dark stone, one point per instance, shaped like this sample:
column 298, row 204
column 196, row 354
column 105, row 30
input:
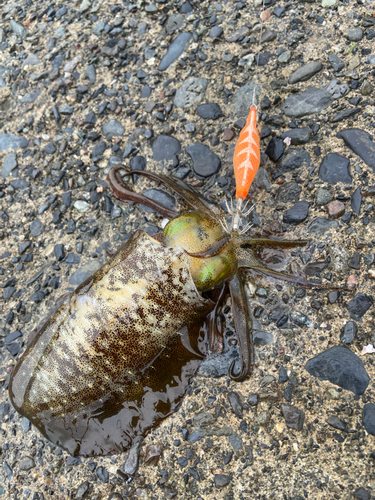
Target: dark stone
column 355, row 261
column 297, row 135
column 262, row 338
column 294, row 418
column 13, row 336
column 90, row 118
column 99, row 149
column 275, row 149
column 137, row 163
column 358, row 306
column 289, row 192
column 320, row 226
column 305, row 72
column 165, row 147
column 211, row 111
column 67, row 198
column 283, row 376
column 37, row 297
column 337, row 423
column 362, row 494
column 221, row 480
column 340, row 366
column 346, row 113
column 161, row 197
column 50, row 148
column 216, row 32
column 102, row 474
column 297, row 214
column 84, row 272
column 36, row 227
column 235, row 403
column 309, row 102
column 335, row 168
column 174, row 51
column 356, row 201
column 361, row 143
column 293, row 159
column 59, row 252
column 336, row 63
column 205, row 162
column 368, row 418
column 315, row 268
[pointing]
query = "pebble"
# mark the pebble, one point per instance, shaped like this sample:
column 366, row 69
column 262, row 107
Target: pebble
column 283, row 375
column 298, row 136
column 336, row 63
column 18, row 29
column 205, row 162
column 334, row 168
column 336, row 89
column 361, row 143
column 243, row 98
column 161, row 197
column 309, row 102
column 346, row 113
column 82, row 206
column 289, row 192
column 84, row 272
column 216, row 32
column 301, row 319
column 10, row 163
column 294, row 417
column 211, row 111
column 336, row 209
column 293, row 159
column 354, row 34
column 235, row 403
column 27, row 463
column 112, row 128
column 323, row 197
column 341, row 367
column 132, row 460
column 356, row 201
column 368, row 418
column 337, row 423
column 275, row 149
column 305, row 72
column 36, row 228
column 349, row 332
column 190, row 93
column 297, row 214
column 59, row 252
column 221, row 480
column 153, row 453
column 103, row 474
column 262, row 338
column 284, row 57
column 358, row 306
column 165, row 147
column 175, row 50
column 10, row 141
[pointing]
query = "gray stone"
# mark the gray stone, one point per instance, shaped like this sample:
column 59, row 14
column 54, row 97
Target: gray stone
column 262, row 180
column 215, row 32
column 205, row 162
column 91, row 73
column 341, row 367
column 31, row 97
column 36, row 227
column 294, row 418
column 353, row 34
column 190, row 93
column 84, row 272
column 174, row 23
column 84, row 7
column 82, row 206
column 284, row 57
column 32, row 60
column 26, row 463
column 336, row 89
column 305, row 72
column 336, row 63
column 66, row 110
column 298, row 136
column 309, row 102
column 334, row 168
column 131, row 461
column 174, row 51
column 98, row 28
column 10, row 163
column 323, row 197
column 165, row 147
column 361, row 143
column 320, row 226
column 243, row 99
column 368, row 419
column 18, row 29
column 113, row 128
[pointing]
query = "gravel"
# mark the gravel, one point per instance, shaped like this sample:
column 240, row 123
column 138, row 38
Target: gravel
column 166, row 86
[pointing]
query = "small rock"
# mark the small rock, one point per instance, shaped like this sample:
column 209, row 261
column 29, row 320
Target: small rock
column 336, row 209
column 165, row 147
column 309, row 102
column 190, row 93
column 132, row 459
column 366, row 88
column 174, row 51
column 84, row 272
column 210, row 111
column 18, row 29
column 361, row 143
column 297, row 135
column 27, row 463
column 113, row 128
column 10, row 163
column 340, row 366
column 235, row 403
column 356, row 201
column 221, row 480
column 301, row 319
column 358, row 306
column 294, row 418
column 153, row 453
column 82, row 206
column 354, row 62
column 323, row 197
column 336, row 63
column 368, row 418
column 349, row 332
column 36, row 228
column 297, row 214
column 216, row 32
column 353, row 34
column 305, row 72
column 102, row 474
column 59, row 252
column 337, row 423
column 205, row 162
column 262, row 338
column 84, row 7
column 228, row 134
column 334, row 168
column 275, row 149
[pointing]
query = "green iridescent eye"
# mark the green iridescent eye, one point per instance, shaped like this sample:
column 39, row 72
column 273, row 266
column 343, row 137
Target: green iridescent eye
column 208, row 273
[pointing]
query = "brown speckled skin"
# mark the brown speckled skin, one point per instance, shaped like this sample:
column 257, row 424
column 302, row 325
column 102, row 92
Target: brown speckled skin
column 88, row 379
